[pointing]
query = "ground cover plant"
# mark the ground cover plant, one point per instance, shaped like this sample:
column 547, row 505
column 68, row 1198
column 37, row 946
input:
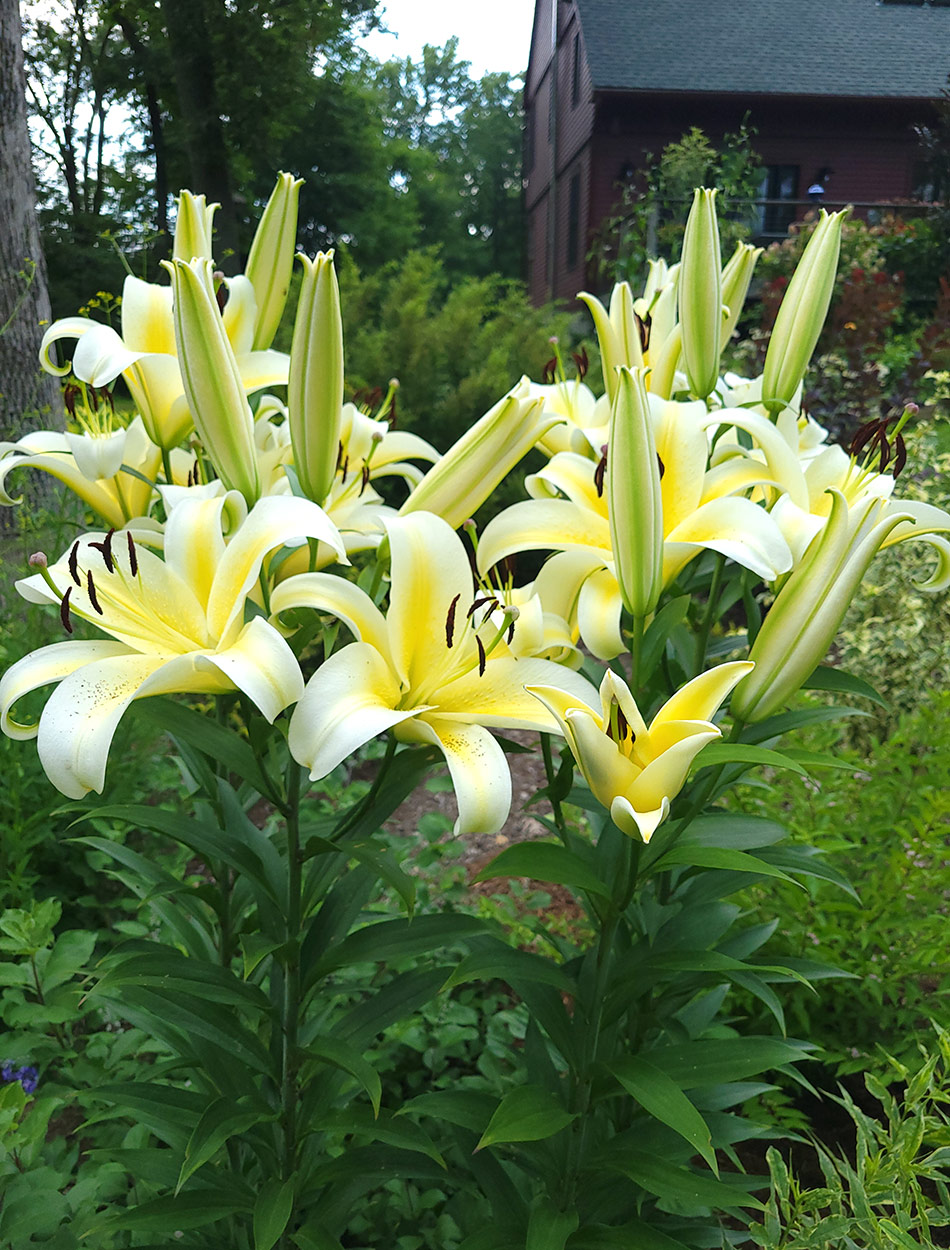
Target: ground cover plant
column 302, row 1035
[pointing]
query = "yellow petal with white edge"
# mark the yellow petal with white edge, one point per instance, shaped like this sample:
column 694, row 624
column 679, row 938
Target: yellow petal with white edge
column 430, row 573
column 606, row 769
column 599, row 606
column 327, row 592
column 64, row 328
column 664, row 777
column 939, row 579
column 349, row 700
column 100, row 356
column 42, row 667
column 275, row 521
column 477, row 766
column 260, row 369
column 615, row 689
column 82, row 714
column 738, row 529
column 699, row 698
column 159, row 395
column 147, row 323
column 540, row 525
column 60, row 464
column 571, row 475
column 194, row 543
column 498, row 697
column 262, row 665
column 240, row 314
column 634, row 823
column 926, row 519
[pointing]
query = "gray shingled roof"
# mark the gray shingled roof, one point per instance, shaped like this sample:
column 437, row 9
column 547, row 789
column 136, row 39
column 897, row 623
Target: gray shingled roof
column 795, row 47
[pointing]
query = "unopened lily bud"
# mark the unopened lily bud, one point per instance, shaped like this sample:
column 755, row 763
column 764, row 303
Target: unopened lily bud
column 315, row 383
column 634, row 500
column 271, row 258
column 211, row 378
column 470, row 470
column 617, row 333
column 38, row 560
column 194, row 228
column 736, row 277
column 802, row 313
column 802, row 622
column 700, row 294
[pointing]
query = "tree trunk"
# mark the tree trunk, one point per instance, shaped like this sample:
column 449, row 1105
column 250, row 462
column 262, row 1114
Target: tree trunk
column 29, row 397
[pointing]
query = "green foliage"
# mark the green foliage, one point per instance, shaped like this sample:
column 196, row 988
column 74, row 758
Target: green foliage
column 893, row 1189
column 651, row 214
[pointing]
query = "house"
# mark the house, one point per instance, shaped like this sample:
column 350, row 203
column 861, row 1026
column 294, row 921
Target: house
column 829, row 85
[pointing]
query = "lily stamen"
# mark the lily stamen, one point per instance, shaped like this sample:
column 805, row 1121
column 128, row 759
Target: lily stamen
column 64, row 611
column 91, row 592
column 106, row 548
column 450, row 621
column 74, row 563
column 133, row 558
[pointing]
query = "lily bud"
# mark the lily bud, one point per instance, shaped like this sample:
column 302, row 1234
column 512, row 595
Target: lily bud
column 462, row 480
column 194, row 227
column 315, row 383
column 634, row 501
column 803, row 620
column 271, row 259
column 700, row 294
column 736, row 277
column 211, row 378
column 802, row 313
column 617, row 333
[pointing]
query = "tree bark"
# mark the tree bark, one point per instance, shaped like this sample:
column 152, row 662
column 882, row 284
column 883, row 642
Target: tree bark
column 28, row 397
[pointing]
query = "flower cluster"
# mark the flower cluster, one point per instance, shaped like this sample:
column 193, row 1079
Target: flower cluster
column 244, row 505
column 27, row 1076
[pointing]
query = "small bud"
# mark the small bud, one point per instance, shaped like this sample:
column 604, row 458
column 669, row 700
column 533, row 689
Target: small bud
column 700, row 294
column 315, row 383
column 38, row 560
column 270, row 261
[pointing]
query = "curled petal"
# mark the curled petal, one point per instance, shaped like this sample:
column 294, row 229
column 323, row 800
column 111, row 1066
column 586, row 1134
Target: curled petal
column 599, row 608
column 326, row 592
column 262, row 665
column 100, row 356
column 147, row 324
column 41, row 668
column 477, row 766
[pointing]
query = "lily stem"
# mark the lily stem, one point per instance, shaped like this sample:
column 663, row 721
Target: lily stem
column 712, row 603
column 549, row 771
column 290, row 1006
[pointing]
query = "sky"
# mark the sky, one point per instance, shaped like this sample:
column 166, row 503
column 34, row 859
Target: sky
column 493, row 34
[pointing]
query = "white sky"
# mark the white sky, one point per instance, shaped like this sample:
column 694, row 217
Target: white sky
column 493, row 34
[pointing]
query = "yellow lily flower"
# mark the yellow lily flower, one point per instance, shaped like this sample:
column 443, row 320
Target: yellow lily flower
column 635, row 771
column 432, row 669
column 92, row 468
column 176, row 625
column 582, row 417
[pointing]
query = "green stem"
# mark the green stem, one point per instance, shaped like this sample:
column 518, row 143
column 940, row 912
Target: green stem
column 550, row 773
column 712, row 603
column 367, row 801
column 167, row 466
column 290, row 1005
column 636, row 651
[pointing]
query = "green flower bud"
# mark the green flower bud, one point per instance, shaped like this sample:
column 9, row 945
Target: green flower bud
column 211, row 378
column 617, row 333
column 802, row 313
column 194, row 228
column 271, row 259
column 700, row 294
column 634, row 501
column 315, row 384
column 736, row 277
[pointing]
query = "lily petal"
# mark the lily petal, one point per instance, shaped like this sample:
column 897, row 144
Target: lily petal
column 42, row 667
column 477, row 766
column 262, row 665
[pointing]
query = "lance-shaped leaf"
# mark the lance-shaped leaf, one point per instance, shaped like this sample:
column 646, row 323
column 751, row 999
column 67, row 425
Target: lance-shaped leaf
column 315, row 385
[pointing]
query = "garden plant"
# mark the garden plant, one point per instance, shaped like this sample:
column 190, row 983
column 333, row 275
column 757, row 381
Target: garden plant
column 295, row 1032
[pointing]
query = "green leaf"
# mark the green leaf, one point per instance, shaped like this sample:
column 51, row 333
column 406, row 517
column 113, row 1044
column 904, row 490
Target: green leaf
column 662, row 1098
column 397, row 1000
column 717, row 857
column 208, row 737
column 466, row 1108
column 716, row 1061
column 528, row 1113
column 633, row 1234
column 190, row 1210
column 506, row 963
column 716, row 753
column 784, row 722
column 677, row 1184
column 222, row 1119
column 167, row 969
column 255, row 948
column 733, row 830
column 545, row 861
column 383, row 864
column 274, row 1207
column 838, row 680
column 404, row 1134
column 549, row 1228
column 390, row 940
column 340, row 1054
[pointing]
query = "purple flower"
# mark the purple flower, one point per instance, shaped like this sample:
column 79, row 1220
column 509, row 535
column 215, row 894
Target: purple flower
column 28, row 1076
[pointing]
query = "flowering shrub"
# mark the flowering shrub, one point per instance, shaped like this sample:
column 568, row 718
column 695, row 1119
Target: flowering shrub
column 248, row 556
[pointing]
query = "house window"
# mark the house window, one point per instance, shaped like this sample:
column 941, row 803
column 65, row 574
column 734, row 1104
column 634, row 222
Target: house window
column 573, row 220
column 576, row 73
column 779, row 184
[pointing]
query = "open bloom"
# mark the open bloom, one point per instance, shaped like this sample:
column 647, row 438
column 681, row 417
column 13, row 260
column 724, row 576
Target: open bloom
column 176, row 625
column 635, row 771
column 437, row 668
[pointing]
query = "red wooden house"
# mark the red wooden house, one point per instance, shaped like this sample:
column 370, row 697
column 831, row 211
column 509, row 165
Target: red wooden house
column 837, row 85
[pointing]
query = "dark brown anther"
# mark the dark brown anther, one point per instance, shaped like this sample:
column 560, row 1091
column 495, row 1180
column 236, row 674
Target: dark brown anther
column 133, row 558
column 600, row 471
column 480, row 603
column 109, row 400
column 365, row 476
column 450, row 621
column 550, row 370
column 64, row 611
column 662, row 466
column 91, row 591
column 623, row 725
column 482, row 657
column 900, row 457
column 344, row 467
column 511, row 633
column 106, row 548
column 339, row 455
column 221, row 289
column 643, row 329
column 74, row 563
column 70, row 394
column 391, row 414
column 863, row 436
column 582, row 361
column 885, row 450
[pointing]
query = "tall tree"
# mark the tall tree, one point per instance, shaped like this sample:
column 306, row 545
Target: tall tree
column 24, row 302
